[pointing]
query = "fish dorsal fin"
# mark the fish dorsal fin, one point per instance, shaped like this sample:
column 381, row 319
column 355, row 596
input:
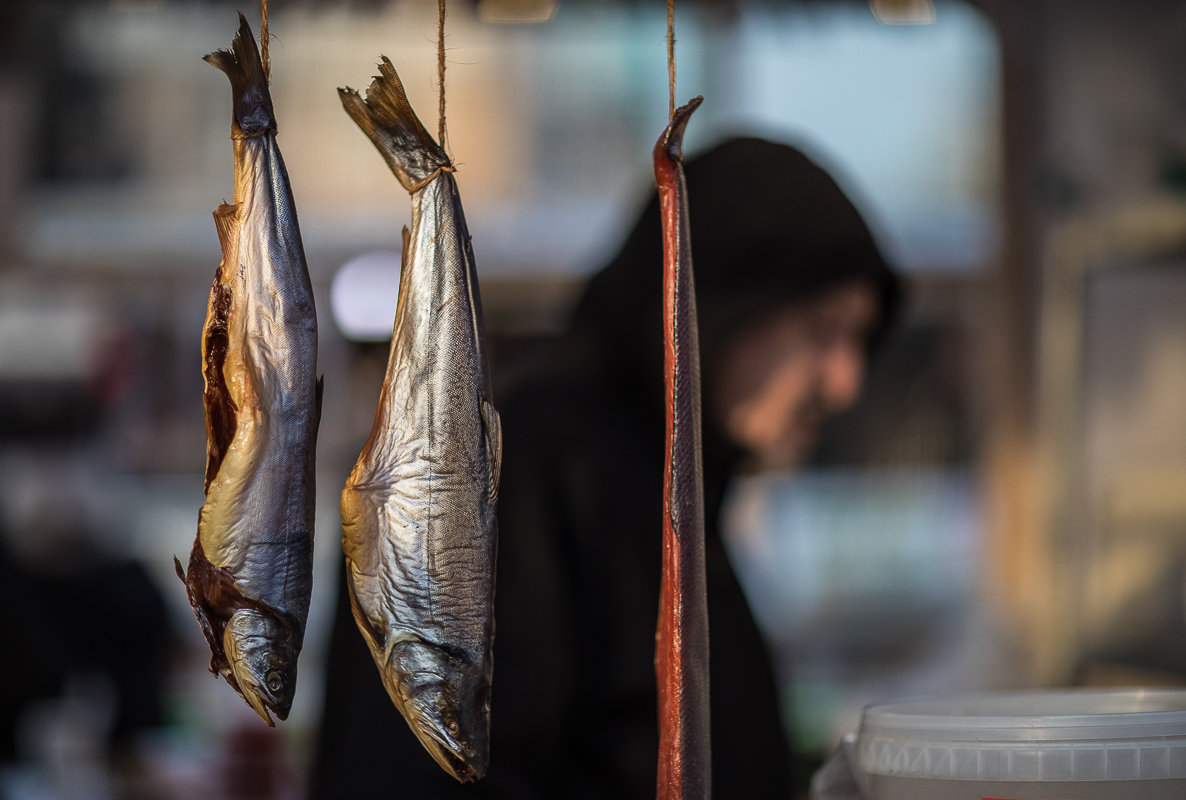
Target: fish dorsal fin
column 225, row 217
column 404, row 278
column 318, row 394
column 320, row 390
column 492, row 428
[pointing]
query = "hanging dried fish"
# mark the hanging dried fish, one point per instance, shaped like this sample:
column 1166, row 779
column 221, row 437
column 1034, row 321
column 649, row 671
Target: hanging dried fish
column 681, row 646
column 418, row 523
column 251, row 568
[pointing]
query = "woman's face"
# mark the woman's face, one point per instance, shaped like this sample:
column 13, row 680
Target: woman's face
column 781, row 377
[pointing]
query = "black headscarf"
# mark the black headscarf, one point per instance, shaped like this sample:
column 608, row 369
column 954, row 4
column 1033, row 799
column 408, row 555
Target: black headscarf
column 769, row 228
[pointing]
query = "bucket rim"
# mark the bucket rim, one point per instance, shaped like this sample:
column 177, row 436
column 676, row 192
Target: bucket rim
column 1033, row 715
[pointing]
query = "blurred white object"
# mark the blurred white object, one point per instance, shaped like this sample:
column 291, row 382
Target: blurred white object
column 1090, row 744
column 837, row 779
column 363, row 296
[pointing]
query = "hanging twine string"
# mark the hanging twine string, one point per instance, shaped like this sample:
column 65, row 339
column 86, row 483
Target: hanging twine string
column 263, row 40
column 441, row 70
column 670, row 59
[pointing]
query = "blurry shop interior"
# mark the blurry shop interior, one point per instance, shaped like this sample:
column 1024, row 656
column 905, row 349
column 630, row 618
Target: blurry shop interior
column 1005, row 507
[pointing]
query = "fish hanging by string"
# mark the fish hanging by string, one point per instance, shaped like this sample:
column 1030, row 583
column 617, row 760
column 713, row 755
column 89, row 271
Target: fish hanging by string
column 681, row 640
column 418, row 510
column 251, row 568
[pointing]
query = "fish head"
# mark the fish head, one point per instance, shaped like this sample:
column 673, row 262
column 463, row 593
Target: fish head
column 446, row 701
column 261, row 655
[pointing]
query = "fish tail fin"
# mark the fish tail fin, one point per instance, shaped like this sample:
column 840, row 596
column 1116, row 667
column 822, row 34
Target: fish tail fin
column 387, row 118
column 671, row 143
column 249, row 84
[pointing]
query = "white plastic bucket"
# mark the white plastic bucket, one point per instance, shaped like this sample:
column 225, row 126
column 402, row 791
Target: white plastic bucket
column 1052, row 745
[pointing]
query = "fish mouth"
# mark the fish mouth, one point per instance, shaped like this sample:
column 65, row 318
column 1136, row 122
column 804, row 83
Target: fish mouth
column 447, row 754
column 244, row 684
column 257, row 702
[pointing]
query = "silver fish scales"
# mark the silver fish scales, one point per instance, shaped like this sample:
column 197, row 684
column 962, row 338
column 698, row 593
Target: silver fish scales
column 250, row 571
column 418, row 510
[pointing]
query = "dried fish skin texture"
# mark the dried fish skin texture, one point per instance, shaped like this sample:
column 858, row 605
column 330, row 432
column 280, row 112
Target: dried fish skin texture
column 418, row 510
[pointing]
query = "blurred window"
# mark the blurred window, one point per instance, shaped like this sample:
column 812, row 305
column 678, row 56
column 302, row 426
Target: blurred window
column 551, row 124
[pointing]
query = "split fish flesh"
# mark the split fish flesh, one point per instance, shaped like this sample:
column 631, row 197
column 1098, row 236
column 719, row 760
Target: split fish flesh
column 251, row 568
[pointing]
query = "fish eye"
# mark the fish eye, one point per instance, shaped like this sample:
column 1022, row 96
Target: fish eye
column 449, row 720
column 274, row 681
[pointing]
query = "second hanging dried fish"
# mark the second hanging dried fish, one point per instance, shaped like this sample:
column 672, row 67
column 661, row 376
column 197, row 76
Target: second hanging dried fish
column 251, row 568
column 418, row 523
